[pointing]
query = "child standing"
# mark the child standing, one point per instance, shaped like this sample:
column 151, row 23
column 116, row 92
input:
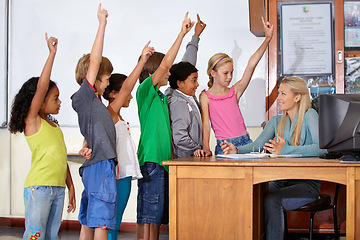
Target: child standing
column 45, row 183
column 220, row 104
column 98, row 200
column 184, row 108
column 118, row 93
column 155, row 140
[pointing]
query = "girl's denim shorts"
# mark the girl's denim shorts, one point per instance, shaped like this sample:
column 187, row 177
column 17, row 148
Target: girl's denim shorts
column 237, row 141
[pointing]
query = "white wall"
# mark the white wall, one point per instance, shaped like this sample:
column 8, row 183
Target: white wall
column 130, row 25
column 13, row 172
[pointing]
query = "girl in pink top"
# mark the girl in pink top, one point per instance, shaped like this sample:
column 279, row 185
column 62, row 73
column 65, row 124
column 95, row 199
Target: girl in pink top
column 220, row 104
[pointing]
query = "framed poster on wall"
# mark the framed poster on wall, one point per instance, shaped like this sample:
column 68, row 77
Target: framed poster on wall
column 306, row 38
column 352, row 25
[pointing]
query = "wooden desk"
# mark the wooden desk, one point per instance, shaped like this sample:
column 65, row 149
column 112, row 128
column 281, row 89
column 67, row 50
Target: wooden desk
column 217, row 198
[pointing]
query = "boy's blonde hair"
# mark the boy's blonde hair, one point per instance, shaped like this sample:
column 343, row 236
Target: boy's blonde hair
column 83, row 66
column 215, row 62
column 297, row 86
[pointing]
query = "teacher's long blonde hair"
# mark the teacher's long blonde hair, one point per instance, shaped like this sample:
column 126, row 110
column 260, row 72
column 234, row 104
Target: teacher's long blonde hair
column 297, row 86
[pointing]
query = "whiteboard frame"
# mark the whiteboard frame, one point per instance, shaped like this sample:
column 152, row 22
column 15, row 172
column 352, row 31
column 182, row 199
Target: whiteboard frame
column 4, row 51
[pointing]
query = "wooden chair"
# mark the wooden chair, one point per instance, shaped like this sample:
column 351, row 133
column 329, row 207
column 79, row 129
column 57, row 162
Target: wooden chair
column 323, row 203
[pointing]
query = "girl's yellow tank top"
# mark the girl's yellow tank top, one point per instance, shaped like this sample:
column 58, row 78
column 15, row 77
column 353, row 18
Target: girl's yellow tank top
column 49, row 157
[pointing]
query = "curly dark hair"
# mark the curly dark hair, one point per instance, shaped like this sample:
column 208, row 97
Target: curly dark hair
column 115, row 83
column 22, row 102
column 180, row 71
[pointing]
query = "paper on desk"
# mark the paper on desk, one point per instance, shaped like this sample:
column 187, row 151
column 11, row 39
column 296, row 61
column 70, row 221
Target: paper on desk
column 257, row 155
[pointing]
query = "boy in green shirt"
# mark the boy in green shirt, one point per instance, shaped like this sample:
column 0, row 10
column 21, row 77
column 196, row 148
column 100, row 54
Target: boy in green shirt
column 155, row 140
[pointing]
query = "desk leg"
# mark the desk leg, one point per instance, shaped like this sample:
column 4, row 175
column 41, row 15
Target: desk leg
column 352, row 203
column 258, row 214
column 172, row 202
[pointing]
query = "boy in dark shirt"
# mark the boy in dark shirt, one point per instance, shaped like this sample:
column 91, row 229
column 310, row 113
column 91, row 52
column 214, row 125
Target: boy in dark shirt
column 98, row 201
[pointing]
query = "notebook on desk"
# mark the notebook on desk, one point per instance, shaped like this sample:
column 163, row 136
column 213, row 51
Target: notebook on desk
column 257, row 155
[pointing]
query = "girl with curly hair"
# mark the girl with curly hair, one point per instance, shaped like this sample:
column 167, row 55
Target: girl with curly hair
column 44, row 188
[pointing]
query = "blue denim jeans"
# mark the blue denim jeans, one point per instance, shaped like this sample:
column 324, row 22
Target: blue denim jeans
column 153, row 195
column 237, row 141
column 43, row 212
column 285, row 196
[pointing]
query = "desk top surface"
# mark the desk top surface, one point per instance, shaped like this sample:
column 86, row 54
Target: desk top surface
column 270, row 162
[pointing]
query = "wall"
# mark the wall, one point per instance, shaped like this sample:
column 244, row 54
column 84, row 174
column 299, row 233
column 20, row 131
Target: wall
column 130, row 25
column 13, row 172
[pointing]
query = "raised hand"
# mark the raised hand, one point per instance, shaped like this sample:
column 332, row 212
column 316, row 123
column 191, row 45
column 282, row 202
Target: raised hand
column 187, row 24
column 268, row 28
column 52, row 43
column 102, row 15
column 147, row 52
column 199, row 26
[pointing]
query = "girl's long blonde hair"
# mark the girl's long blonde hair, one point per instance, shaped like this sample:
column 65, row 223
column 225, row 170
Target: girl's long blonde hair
column 297, row 86
column 216, row 61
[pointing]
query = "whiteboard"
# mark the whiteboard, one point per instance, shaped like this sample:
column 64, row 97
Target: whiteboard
column 130, row 25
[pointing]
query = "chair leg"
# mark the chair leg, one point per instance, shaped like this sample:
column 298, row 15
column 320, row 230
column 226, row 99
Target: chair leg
column 311, row 224
column 336, row 232
column 285, row 226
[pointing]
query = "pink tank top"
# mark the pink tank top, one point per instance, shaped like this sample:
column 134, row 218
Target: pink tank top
column 225, row 116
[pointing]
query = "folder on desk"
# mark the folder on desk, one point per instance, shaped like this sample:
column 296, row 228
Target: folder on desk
column 257, row 155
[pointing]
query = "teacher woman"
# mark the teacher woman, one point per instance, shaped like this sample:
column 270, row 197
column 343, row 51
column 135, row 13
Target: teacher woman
column 294, row 132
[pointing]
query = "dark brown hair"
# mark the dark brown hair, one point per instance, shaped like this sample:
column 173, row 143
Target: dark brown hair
column 151, row 65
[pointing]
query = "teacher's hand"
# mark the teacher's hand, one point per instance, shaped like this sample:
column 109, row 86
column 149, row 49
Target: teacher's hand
column 275, row 147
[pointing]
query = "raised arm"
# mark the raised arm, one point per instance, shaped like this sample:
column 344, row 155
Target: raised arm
column 130, row 81
column 170, row 56
column 32, row 125
column 241, row 85
column 204, row 101
column 97, row 49
column 192, row 47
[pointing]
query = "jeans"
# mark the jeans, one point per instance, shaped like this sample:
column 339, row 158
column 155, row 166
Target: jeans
column 98, row 199
column 237, row 141
column 43, row 212
column 153, row 195
column 285, row 196
column 123, row 193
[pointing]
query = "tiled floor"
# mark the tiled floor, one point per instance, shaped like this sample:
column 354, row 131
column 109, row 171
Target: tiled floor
column 16, row 234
